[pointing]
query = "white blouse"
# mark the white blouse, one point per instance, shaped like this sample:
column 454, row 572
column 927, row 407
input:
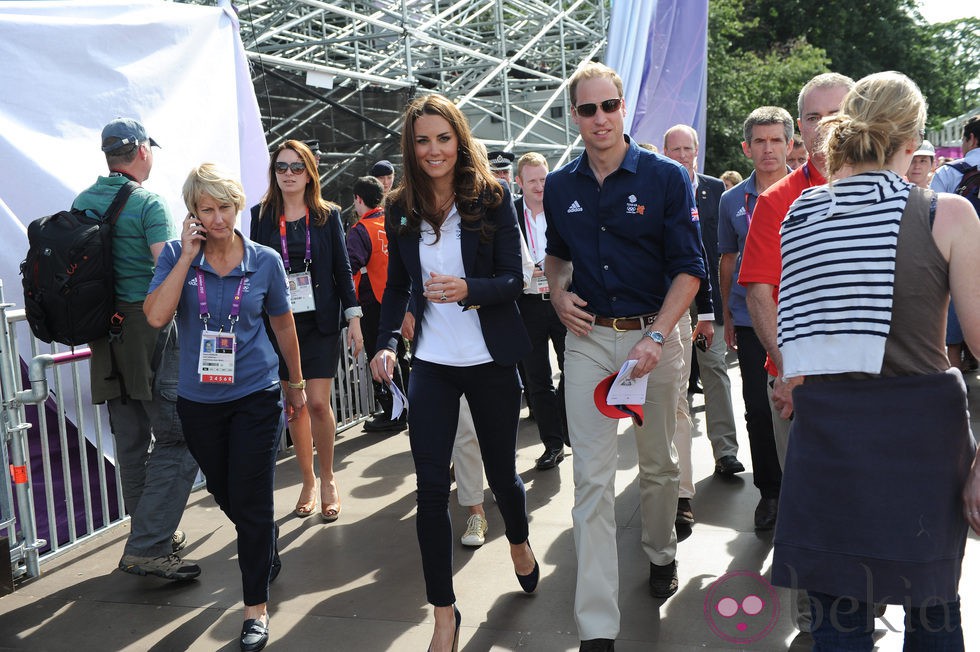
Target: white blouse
column 449, row 335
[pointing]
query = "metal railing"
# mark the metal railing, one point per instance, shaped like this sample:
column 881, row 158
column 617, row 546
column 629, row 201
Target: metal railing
column 54, row 430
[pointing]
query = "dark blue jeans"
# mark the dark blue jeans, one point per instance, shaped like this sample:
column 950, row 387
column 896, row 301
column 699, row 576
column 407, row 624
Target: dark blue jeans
column 847, row 625
column 494, row 395
column 235, row 443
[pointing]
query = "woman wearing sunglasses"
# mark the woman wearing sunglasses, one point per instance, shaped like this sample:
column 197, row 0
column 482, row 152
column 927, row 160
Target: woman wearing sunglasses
column 306, row 230
column 222, row 286
column 453, row 241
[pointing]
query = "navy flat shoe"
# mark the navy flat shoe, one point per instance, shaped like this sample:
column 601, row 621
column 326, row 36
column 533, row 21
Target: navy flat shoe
column 255, row 634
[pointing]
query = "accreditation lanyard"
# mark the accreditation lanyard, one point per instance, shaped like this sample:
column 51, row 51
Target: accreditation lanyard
column 301, row 283
column 285, row 249
column 748, row 211
column 216, row 355
column 531, row 229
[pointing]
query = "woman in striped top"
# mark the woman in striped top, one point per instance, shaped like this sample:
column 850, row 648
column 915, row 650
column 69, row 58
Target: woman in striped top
column 881, row 481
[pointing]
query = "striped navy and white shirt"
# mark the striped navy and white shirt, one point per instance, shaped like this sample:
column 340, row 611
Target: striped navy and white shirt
column 835, row 295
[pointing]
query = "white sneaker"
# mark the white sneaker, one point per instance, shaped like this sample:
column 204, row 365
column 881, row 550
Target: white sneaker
column 476, row 531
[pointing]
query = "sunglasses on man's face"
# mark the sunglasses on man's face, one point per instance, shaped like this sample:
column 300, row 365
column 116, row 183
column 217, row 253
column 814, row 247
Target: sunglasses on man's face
column 608, row 106
column 297, row 167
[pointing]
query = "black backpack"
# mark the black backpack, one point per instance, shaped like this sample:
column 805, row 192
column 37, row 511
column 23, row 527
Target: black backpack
column 69, row 285
column 969, row 185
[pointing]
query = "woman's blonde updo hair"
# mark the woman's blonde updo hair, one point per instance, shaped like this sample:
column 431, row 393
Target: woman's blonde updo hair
column 209, row 179
column 879, row 116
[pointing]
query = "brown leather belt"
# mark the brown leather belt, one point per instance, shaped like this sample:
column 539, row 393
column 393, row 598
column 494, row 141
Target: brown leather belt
column 626, row 323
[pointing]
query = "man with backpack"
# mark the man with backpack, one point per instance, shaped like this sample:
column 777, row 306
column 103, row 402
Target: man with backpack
column 134, row 369
column 961, row 177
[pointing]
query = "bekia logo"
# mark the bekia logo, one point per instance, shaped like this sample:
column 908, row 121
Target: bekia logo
column 632, row 208
column 574, row 208
column 741, row 607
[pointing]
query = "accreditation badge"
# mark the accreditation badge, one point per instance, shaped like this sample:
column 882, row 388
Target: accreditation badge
column 216, row 359
column 539, row 284
column 301, row 292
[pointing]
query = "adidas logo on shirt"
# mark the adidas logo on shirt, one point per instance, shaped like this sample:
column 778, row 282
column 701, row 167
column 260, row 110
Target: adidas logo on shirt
column 574, row 208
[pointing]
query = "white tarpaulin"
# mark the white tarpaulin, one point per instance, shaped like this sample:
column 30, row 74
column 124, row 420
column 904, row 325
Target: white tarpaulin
column 68, row 68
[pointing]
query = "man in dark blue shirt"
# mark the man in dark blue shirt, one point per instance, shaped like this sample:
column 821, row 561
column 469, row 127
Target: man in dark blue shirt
column 623, row 264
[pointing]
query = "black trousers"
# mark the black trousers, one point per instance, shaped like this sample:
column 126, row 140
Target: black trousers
column 494, row 395
column 235, row 444
column 544, row 327
column 766, row 472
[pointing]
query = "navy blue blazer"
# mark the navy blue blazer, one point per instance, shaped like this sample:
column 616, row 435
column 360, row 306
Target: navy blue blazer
column 333, row 284
column 494, row 281
column 708, row 197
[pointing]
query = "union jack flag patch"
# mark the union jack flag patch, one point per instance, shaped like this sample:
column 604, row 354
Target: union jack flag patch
column 694, row 214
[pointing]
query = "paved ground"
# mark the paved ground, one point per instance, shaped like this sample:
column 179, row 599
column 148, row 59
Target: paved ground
column 356, row 584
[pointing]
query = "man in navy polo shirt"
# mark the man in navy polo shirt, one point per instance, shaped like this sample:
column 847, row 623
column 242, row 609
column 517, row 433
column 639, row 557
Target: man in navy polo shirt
column 623, row 264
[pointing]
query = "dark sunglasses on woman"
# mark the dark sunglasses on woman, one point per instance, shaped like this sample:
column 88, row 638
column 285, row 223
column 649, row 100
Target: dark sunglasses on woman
column 296, row 167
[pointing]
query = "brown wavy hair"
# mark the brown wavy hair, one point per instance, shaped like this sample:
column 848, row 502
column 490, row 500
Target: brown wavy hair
column 477, row 191
column 273, row 204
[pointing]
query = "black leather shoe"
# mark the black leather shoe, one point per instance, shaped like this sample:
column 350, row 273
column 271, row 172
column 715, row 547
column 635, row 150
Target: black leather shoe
column 765, row 513
column 550, row 459
column 685, row 515
column 384, row 424
column 728, row 465
column 597, row 645
column 255, row 635
column 663, row 580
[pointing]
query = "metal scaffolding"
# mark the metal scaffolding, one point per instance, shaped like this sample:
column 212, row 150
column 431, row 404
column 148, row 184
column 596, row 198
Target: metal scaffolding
column 342, row 71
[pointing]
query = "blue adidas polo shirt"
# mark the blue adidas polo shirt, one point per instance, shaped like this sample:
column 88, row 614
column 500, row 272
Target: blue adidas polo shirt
column 265, row 291
column 627, row 238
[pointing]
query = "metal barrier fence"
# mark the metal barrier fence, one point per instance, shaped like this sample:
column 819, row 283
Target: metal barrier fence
column 57, row 445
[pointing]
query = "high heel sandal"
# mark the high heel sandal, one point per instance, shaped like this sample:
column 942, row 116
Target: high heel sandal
column 529, row 582
column 330, row 511
column 306, row 509
column 459, row 620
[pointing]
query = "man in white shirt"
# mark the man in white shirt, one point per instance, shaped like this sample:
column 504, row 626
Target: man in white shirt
column 539, row 317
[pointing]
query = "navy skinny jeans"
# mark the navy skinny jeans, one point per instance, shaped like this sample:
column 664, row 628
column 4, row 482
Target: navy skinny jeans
column 494, row 394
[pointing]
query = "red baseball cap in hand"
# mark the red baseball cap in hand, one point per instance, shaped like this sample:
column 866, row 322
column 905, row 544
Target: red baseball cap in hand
column 615, row 411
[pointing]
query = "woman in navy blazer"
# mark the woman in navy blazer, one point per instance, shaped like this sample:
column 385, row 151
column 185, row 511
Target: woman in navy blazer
column 306, row 231
column 453, row 237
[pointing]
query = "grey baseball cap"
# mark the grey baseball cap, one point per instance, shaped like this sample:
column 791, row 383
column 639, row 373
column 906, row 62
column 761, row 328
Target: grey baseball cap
column 127, row 130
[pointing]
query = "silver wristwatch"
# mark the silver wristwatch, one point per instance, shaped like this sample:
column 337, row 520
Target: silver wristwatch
column 656, row 336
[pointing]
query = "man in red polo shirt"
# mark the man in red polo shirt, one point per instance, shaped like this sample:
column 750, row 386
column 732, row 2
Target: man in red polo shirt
column 761, row 259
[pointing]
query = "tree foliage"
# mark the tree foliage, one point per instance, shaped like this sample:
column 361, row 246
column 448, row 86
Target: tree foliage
column 761, row 52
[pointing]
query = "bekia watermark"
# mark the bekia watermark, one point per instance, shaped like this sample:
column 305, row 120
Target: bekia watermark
column 741, row 607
